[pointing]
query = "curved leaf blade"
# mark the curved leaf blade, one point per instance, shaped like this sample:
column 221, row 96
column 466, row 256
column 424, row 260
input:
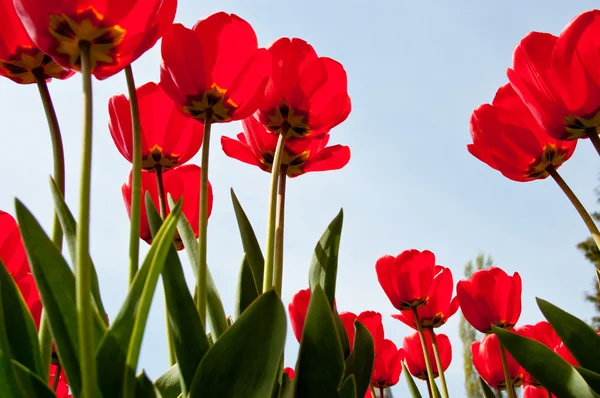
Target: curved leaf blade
column 169, row 383
column 246, row 292
column 361, row 360
column 412, row 386
column 487, row 390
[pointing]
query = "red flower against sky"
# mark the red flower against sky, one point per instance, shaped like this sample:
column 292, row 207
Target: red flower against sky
column 307, row 95
column 19, row 57
column 169, row 138
column 491, row 297
column 180, row 181
column 297, row 311
column 370, row 319
column 543, row 333
column 440, row 305
column 507, row 138
column 216, row 67
column 118, row 32
column 407, row 278
column 415, row 360
column 256, row 146
column 488, row 363
column 564, row 352
column 388, row 365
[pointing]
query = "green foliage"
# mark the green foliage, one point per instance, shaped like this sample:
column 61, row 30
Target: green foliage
column 412, row 386
column 360, row 362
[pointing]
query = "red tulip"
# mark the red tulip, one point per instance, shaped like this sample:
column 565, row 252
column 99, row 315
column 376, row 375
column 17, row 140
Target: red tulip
column 541, row 332
column 530, row 391
column 388, row 365
column 169, row 139
column 297, row 310
column 564, row 352
column 407, row 279
column 118, row 32
column 488, row 363
column 290, row 373
column 62, row 389
column 256, row 146
column 307, row 95
column 491, row 297
column 558, row 77
column 216, row 67
column 415, row 360
column 180, row 181
column 19, row 57
column 440, row 306
column 370, row 319
column 507, row 138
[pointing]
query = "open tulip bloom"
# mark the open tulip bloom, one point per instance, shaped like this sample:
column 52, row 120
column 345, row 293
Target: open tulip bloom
column 55, row 337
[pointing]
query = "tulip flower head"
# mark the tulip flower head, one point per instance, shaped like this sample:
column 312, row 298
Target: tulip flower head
column 297, row 309
column 388, row 365
column 370, row 319
column 541, row 332
column 488, row 363
column 415, row 360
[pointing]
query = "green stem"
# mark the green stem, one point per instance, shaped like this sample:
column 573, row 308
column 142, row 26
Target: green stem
column 45, row 339
column 594, row 138
column 429, row 389
column 203, row 220
column 509, row 385
column 83, row 280
column 424, row 348
column 279, row 222
column 136, row 177
column 270, row 248
column 585, row 216
column 438, row 362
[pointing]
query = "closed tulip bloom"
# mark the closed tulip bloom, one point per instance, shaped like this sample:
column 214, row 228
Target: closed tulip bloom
column 530, row 391
column 541, row 332
column 117, row 31
column 181, row 181
column 491, row 297
column 507, row 138
column 407, row 278
column 388, row 365
column 565, row 354
column 488, row 363
column 297, row 311
column 169, row 139
column 440, row 306
column 307, row 95
column 19, row 57
column 370, row 319
column 415, row 360
column 256, row 146
column 215, row 68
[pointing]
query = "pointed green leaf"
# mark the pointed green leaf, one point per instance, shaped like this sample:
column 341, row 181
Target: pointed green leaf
column 8, row 378
column 245, row 361
column 187, row 330
column 487, row 391
column 348, row 389
column 320, row 365
column 169, row 383
column 69, row 227
column 31, row 384
column 21, row 332
column 412, row 386
column 249, row 242
column 591, row 378
column 545, row 366
column 360, row 362
column 246, row 292
column 581, row 340
column 144, row 387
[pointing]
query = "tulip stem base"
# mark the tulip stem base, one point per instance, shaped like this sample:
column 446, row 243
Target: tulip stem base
column 381, row 391
column 203, row 223
column 595, row 139
column 430, row 380
column 438, row 362
column 509, row 385
column 583, row 213
column 136, row 176
column 160, row 187
column 279, row 222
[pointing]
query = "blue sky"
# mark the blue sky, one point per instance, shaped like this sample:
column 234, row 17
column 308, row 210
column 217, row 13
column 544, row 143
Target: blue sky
column 416, row 71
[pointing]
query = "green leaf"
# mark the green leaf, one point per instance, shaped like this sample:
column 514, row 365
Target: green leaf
column 348, row 389
column 320, row 365
column 21, row 333
column 69, row 227
column 591, row 378
column 169, row 383
column 245, row 361
column 216, row 312
column 144, row 387
column 581, row 340
column 360, row 362
column 249, row 243
column 246, row 292
column 187, row 330
column 487, row 391
column 544, row 365
column 412, row 386
column 8, row 378
column 287, row 388
column 31, row 384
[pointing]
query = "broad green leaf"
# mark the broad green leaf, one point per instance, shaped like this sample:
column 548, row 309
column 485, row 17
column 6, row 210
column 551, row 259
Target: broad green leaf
column 581, row 340
column 169, row 383
column 348, row 389
column 249, row 242
column 216, row 312
column 8, row 378
column 545, row 366
column 69, row 227
column 187, row 330
column 591, row 378
column 360, row 362
column 487, row 391
column 320, row 365
column 144, row 387
column 21, row 332
column 412, row 386
column 286, row 390
column 246, row 292
column 31, row 384
column 245, row 361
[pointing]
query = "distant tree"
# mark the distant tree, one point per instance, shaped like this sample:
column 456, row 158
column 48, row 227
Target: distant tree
column 468, row 334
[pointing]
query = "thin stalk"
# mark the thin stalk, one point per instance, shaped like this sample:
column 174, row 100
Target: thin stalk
column 202, row 230
column 438, row 362
column 45, row 339
column 595, row 139
column 83, row 279
column 279, row 221
column 509, row 385
column 270, row 248
column 56, row 376
column 583, row 213
column 429, row 389
column 425, row 351
column 136, row 177
column 381, row 391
